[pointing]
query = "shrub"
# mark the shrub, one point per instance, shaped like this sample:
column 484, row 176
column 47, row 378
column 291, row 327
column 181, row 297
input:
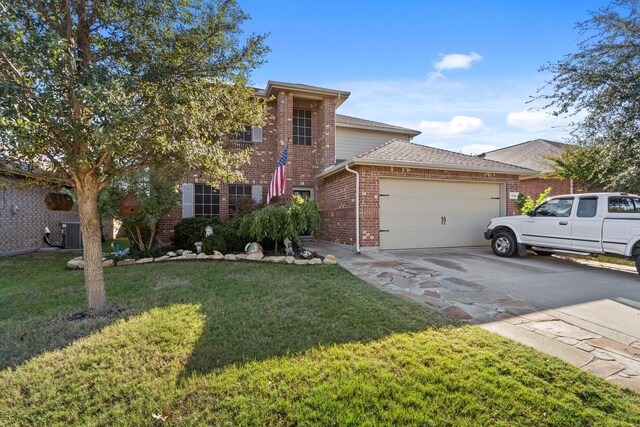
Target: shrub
column 191, row 230
column 215, row 242
column 280, row 221
column 526, row 203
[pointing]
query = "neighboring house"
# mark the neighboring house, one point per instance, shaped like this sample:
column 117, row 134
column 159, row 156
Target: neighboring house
column 24, row 215
column 409, row 195
column 535, row 155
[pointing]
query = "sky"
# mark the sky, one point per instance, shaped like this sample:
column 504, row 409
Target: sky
column 462, row 72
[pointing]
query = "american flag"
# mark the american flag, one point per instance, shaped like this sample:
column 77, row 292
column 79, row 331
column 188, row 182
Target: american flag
column 279, row 177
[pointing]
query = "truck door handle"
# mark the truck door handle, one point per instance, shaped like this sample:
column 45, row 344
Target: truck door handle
column 563, row 223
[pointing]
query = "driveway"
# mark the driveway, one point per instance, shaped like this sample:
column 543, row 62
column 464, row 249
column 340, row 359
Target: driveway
column 585, row 313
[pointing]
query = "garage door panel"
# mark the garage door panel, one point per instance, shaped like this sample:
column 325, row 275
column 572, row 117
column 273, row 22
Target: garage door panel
column 423, row 213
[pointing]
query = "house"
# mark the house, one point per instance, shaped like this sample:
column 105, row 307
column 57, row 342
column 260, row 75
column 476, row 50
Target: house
column 24, row 214
column 535, row 155
column 374, row 187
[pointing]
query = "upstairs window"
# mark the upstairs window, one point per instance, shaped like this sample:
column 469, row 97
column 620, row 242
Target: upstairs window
column 206, row 201
column 249, row 134
column 301, row 127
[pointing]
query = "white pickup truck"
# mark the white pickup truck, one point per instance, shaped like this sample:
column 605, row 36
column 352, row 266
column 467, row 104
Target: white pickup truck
column 581, row 224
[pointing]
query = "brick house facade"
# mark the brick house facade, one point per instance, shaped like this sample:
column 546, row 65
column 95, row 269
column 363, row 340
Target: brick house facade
column 22, row 228
column 335, row 191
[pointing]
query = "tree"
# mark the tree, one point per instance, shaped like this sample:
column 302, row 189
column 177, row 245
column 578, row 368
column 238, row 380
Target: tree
column 94, row 90
column 599, row 86
column 154, row 190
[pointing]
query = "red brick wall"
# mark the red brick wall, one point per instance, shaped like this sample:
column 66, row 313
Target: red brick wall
column 303, row 162
column 335, row 192
column 24, row 231
column 337, row 201
column 535, row 186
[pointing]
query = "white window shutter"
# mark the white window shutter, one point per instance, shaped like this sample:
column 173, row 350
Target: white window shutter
column 187, row 200
column 256, row 134
column 256, row 193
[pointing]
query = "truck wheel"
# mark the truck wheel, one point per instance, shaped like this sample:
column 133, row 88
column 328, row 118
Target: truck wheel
column 638, row 264
column 504, row 244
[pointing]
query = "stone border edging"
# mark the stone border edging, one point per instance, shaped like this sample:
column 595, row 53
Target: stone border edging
column 78, row 263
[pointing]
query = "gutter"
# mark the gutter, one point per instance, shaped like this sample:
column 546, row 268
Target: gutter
column 346, row 167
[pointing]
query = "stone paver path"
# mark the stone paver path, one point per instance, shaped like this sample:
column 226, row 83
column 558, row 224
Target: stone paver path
column 608, row 347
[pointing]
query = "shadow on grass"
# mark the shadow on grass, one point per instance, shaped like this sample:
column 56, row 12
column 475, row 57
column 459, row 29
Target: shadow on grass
column 250, row 311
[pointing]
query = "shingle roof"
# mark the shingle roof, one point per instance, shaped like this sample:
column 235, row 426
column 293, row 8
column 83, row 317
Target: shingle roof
column 409, row 154
column 531, row 154
column 349, row 121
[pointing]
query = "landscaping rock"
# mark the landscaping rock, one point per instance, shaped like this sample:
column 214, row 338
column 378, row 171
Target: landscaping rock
column 289, row 260
column 256, row 256
column 315, row 261
column 107, row 263
column 241, row 256
column 126, row 262
column 162, row 258
column 301, row 262
column 456, row 312
column 275, row 258
column 202, row 256
column 144, row 260
column 190, row 256
column 75, row 263
column 230, row 257
column 217, row 255
column 330, row 259
column 177, row 258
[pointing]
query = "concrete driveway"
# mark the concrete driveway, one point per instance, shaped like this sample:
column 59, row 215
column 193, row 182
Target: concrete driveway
column 585, row 313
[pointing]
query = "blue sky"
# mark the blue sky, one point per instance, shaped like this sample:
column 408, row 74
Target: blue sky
column 459, row 71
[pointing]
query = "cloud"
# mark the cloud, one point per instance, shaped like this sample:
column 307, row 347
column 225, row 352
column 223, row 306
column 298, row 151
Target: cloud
column 454, row 61
column 458, row 125
column 530, row 121
column 475, row 149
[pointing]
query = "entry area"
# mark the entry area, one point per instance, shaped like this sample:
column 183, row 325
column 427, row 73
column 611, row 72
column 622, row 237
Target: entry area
column 417, row 213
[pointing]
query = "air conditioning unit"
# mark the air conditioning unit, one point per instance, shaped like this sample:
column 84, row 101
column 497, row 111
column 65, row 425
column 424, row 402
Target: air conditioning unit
column 72, row 235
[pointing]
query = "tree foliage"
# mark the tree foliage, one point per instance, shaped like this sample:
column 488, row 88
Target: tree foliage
column 156, row 193
column 94, row 90
column 599, row 86
column 526, row 203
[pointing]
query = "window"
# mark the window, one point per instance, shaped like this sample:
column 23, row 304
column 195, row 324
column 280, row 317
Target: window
column 245, row 135
column 206, row 201
column 238, row 194
column 587, row 207
column 305, row 193
column 624, row 204
column 556, row 207
column 301, row 127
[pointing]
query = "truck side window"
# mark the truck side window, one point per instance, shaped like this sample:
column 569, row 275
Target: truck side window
column 556, row 207
column 624, row 204
column 587, row 208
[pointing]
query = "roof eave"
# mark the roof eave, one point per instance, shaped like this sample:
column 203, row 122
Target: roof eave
column 340, row 95
column 380, row 129
column 420, row 165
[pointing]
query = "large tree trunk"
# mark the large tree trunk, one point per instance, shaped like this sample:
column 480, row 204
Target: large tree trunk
column 87, row 188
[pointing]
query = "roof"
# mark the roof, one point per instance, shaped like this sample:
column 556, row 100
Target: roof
column 409, row 154
column 305, row 91
column 354, row 122
column 531, row 154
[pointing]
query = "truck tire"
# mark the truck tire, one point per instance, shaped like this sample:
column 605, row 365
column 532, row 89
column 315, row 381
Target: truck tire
column 504, row 244
column 638, row 264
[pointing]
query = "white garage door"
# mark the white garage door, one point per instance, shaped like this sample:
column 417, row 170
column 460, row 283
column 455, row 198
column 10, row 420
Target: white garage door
column 435, row 214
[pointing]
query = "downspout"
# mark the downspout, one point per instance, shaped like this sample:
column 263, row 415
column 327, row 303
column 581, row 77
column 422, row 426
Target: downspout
column 346, row 167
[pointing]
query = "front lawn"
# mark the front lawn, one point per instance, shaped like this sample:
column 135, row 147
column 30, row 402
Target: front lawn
column 264, row 344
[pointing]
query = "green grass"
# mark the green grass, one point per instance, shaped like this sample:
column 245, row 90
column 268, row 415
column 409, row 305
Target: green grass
column 261, row 344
